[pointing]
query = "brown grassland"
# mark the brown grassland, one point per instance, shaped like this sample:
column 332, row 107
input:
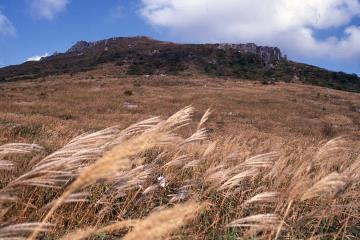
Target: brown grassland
column 100, row 155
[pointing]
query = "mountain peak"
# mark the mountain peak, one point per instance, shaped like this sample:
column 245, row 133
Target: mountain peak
column 82, row 45
column 79, row 46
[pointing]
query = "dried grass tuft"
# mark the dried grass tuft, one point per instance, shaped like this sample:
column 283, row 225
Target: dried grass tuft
column 19, row 148
column 329, row 185
column 204, row 118
column 7, row 165
column 89, row 231
column 236, row 180
column 199, row 135
column 19, row 231
column 265, row 160
column 263, row 197
column 259, row 221
column 160, row 224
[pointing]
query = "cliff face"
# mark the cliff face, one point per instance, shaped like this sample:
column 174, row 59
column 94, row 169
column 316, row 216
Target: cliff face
column 268, row 55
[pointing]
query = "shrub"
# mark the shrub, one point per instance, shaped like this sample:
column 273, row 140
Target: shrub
column 128, row 93
column 327, row 130
column 136, row 83
column 66, row 116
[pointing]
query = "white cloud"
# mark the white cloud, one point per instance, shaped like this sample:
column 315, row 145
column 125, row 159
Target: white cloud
column 47, row 9
column 6, row 27
column 37, row 58
column 289, row 24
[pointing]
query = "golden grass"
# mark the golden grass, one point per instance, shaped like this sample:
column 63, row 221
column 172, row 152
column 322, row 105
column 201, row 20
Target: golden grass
column 118, row 158
column 159, row 224
column 89, row 231
column 244, row 194
column 262, row 174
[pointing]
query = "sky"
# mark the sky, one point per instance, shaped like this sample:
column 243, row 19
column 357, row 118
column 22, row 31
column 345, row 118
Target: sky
column 325, row 33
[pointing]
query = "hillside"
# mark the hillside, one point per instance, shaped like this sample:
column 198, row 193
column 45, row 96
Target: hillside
column 284, row 154
column 263, row 148
column 145, row 56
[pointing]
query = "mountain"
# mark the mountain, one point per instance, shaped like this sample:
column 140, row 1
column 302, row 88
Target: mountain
column 145, row 56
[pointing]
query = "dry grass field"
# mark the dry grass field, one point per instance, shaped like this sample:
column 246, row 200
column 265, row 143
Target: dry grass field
column 275, row 161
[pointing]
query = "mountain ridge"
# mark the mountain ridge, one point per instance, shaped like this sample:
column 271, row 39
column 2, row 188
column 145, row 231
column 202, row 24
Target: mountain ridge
column 142, row 55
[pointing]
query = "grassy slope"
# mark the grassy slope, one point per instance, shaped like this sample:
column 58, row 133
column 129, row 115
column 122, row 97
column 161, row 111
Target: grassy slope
column 291, row 119
column 280, row 109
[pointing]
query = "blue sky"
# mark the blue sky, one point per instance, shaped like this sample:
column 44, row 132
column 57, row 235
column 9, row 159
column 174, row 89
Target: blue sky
column 320, row 32
column 81, row 20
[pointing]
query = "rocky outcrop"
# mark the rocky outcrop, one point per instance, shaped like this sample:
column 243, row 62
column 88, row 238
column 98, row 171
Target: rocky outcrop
column 80, row 46
column 268, row 55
